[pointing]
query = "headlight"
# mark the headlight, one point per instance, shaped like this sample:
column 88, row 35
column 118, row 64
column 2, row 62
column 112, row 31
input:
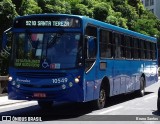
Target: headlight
column 10, row 78
column 76, row 80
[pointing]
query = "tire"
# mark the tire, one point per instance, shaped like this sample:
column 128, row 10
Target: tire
column 158, row 104
column 101, row 101
column 45, row 104
column 141, row 92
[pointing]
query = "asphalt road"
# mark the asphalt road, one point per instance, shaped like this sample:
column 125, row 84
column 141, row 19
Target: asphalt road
column 120, row 109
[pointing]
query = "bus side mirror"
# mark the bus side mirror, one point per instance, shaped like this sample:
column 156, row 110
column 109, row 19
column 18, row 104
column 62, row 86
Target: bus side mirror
column 91, row 46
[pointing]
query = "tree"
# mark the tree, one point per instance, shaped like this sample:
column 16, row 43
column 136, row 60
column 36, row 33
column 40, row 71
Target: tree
column 138, row 6
column 18, row 4
column 7, row 14
column 57, row 6
column 158, row 28
column 29, row 7
column 146, row 26
column 129, row 13
column 116, row 19
column 41, row 4
column 81, row 9
column 101, row 11
column 118, row 2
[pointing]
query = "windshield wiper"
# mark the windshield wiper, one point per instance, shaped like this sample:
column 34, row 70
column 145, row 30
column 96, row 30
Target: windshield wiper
column 53, row 39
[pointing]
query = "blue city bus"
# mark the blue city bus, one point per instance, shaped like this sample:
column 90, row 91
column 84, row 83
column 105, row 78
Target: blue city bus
column 60, row 57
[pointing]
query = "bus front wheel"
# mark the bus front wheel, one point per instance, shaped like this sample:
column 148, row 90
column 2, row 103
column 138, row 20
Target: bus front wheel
column 158, row 104
column 101, row 101
column 141, row 92
column 45, row 104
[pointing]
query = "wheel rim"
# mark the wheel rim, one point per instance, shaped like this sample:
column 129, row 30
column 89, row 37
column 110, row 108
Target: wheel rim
column 142, row 86
column 102, row 99
column 142, row 91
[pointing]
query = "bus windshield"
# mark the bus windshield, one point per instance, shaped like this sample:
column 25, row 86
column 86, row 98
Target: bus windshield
column 47, row 50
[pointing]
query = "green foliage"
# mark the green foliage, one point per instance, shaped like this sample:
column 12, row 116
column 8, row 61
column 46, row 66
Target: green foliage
column 29, row 7
column 146, row 26
column 81, row 9
column 101, row 11
column 7, row 14
column 138, row 6
column 18, row 4
column 117, row 20
column 56, row 6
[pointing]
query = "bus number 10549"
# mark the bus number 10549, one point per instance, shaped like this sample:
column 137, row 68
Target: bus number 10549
column 59, row 80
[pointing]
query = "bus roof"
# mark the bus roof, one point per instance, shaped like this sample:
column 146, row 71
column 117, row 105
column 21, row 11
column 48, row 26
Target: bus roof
column 96, row 23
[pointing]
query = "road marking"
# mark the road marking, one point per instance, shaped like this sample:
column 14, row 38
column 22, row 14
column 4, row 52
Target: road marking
column 150, row 97
column 18, row 104
column 110, row 110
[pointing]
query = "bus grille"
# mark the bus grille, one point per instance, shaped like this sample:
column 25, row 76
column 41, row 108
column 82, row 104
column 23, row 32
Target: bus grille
column 42, row 86
column 41, row 74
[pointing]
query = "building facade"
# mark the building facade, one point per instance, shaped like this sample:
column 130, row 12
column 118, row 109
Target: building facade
column 153, row 6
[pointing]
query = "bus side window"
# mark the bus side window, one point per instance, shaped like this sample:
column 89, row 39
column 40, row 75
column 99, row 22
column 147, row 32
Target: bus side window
column 128, row 47
column 142, row 49
column 123, row 47
column 148, row 50
column 153, row 51
column 117, row 44
column 136, row 48
column 105, row 44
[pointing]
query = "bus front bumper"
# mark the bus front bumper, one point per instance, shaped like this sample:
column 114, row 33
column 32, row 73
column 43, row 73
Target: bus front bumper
column 73, row 94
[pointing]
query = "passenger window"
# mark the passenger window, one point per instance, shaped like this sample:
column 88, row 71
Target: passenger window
column 128, row 47
column 147, row 50
column 123, row 46
column 142, row 49
column 154, row 53
column 106, row 44
column 136, row 49
column 117, row 46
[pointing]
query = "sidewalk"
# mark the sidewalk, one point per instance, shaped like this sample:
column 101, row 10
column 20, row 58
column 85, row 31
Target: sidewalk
column 5, row 101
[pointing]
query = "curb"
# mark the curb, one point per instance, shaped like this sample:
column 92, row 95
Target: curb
column 8, row 102
column 3, row 94
column 12, row 103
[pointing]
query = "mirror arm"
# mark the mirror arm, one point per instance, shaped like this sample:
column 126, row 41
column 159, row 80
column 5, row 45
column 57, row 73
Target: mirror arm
column 4, row 42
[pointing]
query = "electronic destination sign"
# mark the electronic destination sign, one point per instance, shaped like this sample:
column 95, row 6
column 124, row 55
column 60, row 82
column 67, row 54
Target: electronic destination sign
column 47, row 21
